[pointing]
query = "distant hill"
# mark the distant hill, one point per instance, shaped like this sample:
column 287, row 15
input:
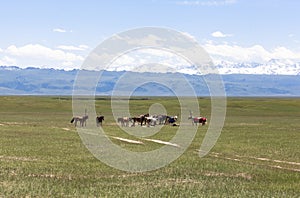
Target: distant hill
column 34, row 81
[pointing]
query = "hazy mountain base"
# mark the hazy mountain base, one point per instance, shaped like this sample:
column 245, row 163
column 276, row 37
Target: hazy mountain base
column 33, row 81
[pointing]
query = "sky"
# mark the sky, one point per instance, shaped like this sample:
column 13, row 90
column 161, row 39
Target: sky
column 61, row 33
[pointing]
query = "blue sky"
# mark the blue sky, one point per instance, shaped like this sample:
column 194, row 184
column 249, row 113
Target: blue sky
column 52, row 33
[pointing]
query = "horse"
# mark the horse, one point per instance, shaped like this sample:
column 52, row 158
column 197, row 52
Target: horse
column 170, row 119
column 135, row 119
column 141, row 119
column 124, row 121
column 99, row 120
column 161, row 119
column 196, row 120
column 151, row 120
column 201, row 120
column 82, row 120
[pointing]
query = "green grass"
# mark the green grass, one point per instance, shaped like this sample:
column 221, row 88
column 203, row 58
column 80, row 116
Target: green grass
column 41, row 153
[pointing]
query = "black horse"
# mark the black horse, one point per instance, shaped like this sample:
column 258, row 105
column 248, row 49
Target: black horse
column 99, row 120
column 142, row 119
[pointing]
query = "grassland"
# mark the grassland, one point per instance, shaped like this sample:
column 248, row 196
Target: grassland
column 257, row 154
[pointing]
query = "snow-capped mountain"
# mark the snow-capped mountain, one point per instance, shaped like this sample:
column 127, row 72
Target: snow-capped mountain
column 272, row 67
column 159, row 61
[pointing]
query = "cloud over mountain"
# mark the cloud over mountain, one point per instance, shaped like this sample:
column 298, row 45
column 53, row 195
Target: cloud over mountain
column 219, row 34
column 255, row 53
column 229, row 58
column 73, row 48
column 37, row 55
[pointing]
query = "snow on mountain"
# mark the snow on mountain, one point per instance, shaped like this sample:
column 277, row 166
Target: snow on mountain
column 159, row 61
column 272, row 67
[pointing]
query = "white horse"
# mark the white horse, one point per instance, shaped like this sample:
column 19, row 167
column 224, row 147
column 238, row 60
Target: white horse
column 151, row 120
column 124, row 121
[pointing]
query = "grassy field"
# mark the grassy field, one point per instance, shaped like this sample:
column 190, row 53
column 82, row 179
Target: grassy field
column 257, row 154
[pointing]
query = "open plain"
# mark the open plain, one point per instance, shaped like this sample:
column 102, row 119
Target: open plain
column 256, row 155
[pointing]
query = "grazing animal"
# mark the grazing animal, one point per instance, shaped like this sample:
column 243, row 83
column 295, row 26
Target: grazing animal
column 171, row 119
column 196, row 120
column 161, row 119
column 135, row 119
column 141, row 119
column 151, row 120
column 99, row 120
column 82, row 120
column 124, row 121
column 144, row 119
column 200, row 120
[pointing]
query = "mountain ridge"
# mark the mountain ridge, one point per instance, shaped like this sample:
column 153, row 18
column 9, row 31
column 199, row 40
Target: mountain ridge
column 271, row 67
column 34, row 81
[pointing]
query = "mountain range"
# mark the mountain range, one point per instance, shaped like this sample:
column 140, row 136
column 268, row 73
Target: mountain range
column 271, row 67
column 34, row 81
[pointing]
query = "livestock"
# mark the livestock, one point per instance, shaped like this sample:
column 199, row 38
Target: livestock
column 99, row 120
column 81, row 119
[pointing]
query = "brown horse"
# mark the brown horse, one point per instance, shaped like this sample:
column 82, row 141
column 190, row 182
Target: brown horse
column 200, row 120
column 196, row 120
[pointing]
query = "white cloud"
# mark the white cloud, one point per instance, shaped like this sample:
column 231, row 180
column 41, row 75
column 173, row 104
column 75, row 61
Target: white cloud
column 59, row 30
column 207, row 3
column 151, row 40
column 37, row 55
column 219, row 34
column 40, row 56
column 83, row 46
column 189, row 35
column 73, row 48
column 144, row 59
column 291, row 35
column 39, row 51
column 284, row 53
column 68, row 63
column 7, row 61
column 255, row 53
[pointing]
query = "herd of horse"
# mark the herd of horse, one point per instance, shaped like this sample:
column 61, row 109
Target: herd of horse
column 142, row 120
column 147, row 120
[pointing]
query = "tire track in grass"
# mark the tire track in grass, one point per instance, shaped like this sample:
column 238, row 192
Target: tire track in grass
column 137, row 141
column 243, row 159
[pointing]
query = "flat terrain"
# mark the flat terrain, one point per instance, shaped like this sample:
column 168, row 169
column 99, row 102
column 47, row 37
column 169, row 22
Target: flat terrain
column 257, row 154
